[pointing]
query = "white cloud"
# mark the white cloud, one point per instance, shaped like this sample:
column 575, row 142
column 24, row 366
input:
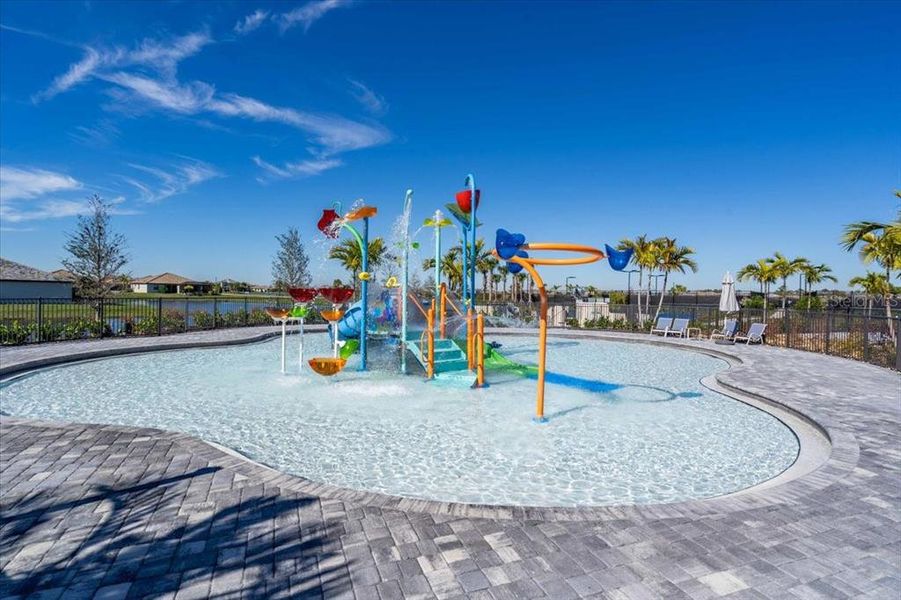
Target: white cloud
column 251, row 22
column 189, row 98
column 46, row 209
column 145, row 78
column 77, row 73
column 168, row 183
column 335, row 134
column 24, row 183
column 55, row 209
column 371, row 101
column 29, row 194
column 162, row 56
column 302, row 168
column 308, row 14
column 97, row 136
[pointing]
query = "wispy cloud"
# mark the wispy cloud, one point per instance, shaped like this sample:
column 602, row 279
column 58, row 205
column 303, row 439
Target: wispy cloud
column 308, row 14
column 333, row 133
column 371, row 101
column 303, row 168
column 31, row 194
column 251, row 22
column 99, row 135
column 175, row 179
column 56, row 209
column 161, row 56
column 25, row 183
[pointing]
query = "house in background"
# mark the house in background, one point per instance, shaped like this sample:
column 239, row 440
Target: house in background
column 169, row 283
column 64, row 275
column 21, row 281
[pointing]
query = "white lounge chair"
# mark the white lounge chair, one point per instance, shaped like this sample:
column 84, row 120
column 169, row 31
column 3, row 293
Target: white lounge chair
column 662, row 326
column 730, row 328
column 755, row 334
column 679, row 328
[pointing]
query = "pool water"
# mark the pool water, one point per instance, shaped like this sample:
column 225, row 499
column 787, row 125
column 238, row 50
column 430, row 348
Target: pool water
column 644, row 431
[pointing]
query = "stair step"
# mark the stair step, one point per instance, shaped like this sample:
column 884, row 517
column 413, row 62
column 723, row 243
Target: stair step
column 451, row 365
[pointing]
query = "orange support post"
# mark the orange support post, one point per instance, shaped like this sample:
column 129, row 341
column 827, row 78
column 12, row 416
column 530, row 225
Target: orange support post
column 443, row 314
column 480, row 349
column 590, row 255
column 470, row 340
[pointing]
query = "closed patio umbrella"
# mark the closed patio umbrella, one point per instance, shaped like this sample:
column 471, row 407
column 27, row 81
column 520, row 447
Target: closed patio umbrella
column 728, row 301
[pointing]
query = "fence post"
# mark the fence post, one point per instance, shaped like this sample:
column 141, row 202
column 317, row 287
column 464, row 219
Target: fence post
column 828, row 329
column 159, row 316
column 866, row 338
column 898, row 345
column 102, row 317
column 40, row 318
column 187, row 313
column 215, row 313
column 246, row 315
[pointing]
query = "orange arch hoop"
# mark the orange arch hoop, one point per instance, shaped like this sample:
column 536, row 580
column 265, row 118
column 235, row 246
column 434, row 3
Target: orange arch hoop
column 591, row 254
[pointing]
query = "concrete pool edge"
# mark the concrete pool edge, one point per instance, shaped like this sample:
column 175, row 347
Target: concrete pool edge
column 789, row 485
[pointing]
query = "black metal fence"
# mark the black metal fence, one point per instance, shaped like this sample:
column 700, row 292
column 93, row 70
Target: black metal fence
column 859, row 335
column 869, row 337
column 33, row 320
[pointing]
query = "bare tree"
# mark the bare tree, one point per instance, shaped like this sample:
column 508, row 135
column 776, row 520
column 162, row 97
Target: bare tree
column 290, row 267
column 97, row 254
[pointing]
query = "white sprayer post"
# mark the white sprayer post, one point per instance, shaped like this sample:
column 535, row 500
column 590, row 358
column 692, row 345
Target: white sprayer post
column 284, row 321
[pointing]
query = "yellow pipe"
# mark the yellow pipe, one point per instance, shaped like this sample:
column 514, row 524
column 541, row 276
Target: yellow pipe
column 542, row 334
column 480, row 337
column 443, row 313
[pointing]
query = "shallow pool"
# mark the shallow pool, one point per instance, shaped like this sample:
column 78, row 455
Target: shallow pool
column 630, row 423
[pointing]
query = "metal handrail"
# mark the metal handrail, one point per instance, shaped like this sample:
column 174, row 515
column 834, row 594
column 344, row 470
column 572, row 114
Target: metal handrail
column 418, row 305
column 451, row 300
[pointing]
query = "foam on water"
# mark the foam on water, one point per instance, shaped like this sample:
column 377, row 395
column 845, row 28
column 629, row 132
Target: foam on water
column 656, row 436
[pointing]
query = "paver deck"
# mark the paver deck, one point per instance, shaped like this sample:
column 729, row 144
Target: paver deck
column 98, row 511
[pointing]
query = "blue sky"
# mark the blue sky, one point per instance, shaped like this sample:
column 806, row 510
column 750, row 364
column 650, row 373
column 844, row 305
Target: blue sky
column 739, row 128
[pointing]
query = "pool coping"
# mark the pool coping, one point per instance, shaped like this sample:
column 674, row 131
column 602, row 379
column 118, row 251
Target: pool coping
column 843, row 451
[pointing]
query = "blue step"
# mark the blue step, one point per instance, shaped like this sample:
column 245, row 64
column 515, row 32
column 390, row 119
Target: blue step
column 449, row 357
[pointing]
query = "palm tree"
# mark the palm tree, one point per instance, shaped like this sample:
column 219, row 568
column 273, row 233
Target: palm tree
column 763, row 273
column 814, row 274
column 785, row 268
column 879, row 243
column 451, row 267
column 485, row 263
column 503, row 272
column 873, row 284
column 348, row 253
column 678, row 289
column 855, row 232
column 672, row 257
column 643, row 257
column 520, row 279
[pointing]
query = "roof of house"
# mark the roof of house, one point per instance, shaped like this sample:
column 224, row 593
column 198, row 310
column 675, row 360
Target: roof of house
column 166, row 279
column 13, row 271
column 64, row 275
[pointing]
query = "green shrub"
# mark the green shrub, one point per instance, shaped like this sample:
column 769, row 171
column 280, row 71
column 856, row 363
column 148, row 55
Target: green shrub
column 809, row 303
column 618, row 298
column 15, row 333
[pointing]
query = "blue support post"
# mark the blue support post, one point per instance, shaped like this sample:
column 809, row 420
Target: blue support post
column 472, row 228
column 365, row 294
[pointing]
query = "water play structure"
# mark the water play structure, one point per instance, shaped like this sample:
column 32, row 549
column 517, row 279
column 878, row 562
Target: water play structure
column 444, row 333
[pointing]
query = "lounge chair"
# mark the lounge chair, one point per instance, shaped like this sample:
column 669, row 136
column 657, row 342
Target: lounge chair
column 662, row 326
column 730, row 328
column 755, row 334
column 679, row 328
